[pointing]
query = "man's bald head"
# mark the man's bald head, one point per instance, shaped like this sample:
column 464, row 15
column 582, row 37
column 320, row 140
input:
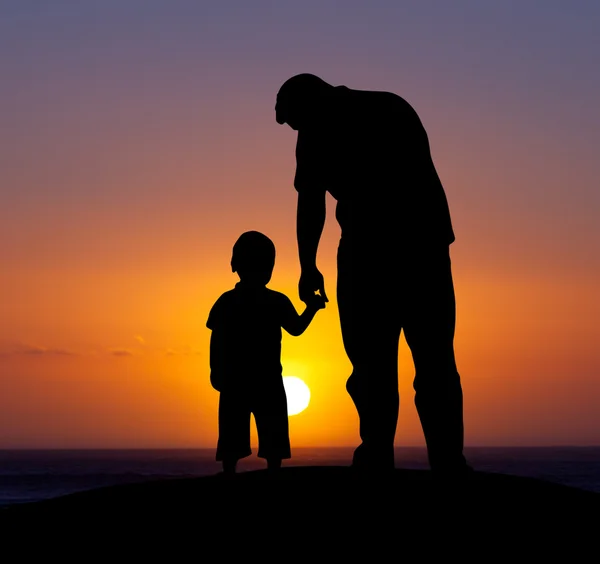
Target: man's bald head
column 298, row 98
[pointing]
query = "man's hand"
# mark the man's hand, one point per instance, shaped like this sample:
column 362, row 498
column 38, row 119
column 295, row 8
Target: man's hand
column 311, row 281
column 315, row 303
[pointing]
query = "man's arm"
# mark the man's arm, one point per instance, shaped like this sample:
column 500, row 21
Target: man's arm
column 310, row 220
column 310, row 217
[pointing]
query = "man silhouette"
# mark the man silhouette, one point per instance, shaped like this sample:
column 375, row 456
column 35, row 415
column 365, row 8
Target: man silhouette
column 370, row 151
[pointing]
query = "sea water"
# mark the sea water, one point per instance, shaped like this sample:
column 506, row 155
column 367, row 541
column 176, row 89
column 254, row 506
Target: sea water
column 32, row 475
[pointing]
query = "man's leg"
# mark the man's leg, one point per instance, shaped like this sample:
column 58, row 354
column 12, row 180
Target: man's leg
column 429, row 322
column 371, row 332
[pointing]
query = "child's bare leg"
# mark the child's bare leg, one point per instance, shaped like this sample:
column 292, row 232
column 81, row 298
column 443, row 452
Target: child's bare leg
column 229, row 466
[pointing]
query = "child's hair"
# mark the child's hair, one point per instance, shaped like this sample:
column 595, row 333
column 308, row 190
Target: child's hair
column 252, row 250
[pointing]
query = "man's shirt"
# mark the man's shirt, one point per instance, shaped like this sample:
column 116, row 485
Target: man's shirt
column 371, row 153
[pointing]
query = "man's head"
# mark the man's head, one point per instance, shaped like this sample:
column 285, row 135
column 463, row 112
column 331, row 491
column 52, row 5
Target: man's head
column 253, row 257
column 298, row 100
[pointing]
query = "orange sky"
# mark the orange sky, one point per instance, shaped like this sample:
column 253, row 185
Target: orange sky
column 129, row 170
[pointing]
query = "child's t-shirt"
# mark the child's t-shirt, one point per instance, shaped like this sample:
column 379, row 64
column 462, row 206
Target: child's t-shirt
column 249, row 321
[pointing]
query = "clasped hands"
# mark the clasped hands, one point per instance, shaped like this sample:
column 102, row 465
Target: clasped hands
column 311, row 288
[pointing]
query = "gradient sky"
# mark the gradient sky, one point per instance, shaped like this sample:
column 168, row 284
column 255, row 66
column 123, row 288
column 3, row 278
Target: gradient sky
column 138, row 140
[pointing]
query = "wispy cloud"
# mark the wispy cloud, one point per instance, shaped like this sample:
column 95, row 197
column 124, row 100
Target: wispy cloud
column 15, row 348
column 49, row 351
column 26, row 349
column 120, row 352
column 185, row 350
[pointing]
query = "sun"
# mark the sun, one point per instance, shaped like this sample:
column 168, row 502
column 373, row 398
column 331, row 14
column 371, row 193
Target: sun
column 297, row 393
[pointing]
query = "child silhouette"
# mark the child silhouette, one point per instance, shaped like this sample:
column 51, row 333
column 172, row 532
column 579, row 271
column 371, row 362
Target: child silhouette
column 245, row 355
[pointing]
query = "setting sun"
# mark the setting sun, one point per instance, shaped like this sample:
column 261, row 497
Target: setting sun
column 298, row 394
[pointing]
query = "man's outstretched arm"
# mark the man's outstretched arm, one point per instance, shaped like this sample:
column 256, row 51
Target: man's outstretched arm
column 310, row 220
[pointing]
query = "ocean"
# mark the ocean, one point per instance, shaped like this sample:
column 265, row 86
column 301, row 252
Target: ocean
column 32, row 475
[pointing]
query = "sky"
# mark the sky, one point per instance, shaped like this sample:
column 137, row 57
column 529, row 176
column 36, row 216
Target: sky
column 138, row 141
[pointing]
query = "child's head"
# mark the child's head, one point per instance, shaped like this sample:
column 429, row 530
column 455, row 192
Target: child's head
column 253, row 257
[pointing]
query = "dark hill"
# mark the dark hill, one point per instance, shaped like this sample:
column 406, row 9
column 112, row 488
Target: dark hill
column 329, row 509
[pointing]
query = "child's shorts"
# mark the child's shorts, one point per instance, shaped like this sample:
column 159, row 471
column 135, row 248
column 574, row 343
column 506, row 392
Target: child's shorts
column 270, row 413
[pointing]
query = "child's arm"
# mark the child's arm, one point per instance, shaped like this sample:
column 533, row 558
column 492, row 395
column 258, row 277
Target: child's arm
column 217, row 360
column 218, row 342
column 296, row 324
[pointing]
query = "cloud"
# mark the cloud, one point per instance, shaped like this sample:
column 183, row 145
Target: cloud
column 120, row 352
column 25, row 349
column 185, row 350
column 50, row 351
column 140, row 339
column 13, row 348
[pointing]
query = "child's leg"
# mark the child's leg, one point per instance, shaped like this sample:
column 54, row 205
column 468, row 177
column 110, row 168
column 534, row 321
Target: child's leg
column 271, row 416
column 273, row 465
column 229, row 465
column 234, row 431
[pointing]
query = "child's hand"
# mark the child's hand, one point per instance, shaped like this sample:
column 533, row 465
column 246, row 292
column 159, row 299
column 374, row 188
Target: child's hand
column 316, row 302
